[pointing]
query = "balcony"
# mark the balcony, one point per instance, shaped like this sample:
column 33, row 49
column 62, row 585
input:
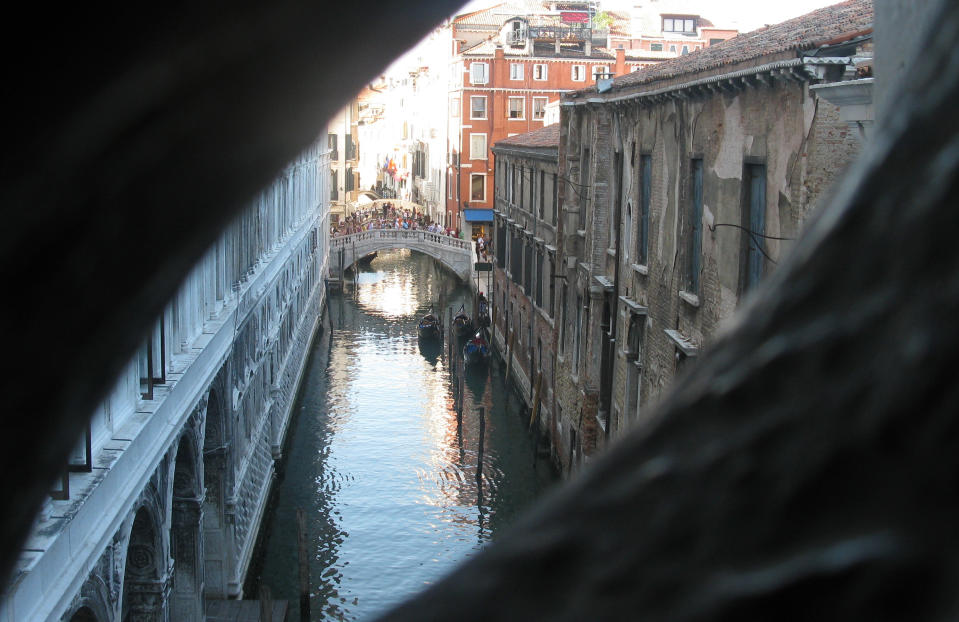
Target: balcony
column 517, row 37
column 563, row 33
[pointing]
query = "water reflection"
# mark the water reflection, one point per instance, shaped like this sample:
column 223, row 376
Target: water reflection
column 381, row 460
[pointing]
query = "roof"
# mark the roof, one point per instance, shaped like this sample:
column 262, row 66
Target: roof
column 827, row 25
column 544, row 137
column 495, row 16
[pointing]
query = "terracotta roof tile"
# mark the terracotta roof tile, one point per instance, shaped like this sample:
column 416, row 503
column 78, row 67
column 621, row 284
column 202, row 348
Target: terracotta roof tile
column 543, row 137
column 801, row 33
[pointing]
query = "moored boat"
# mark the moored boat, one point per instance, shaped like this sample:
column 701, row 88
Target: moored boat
column 482, row 314
column 477, row 350
column 462, row 324
column 429, row 326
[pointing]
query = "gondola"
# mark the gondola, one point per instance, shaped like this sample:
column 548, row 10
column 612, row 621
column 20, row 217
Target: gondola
column 477, row 350
column 429, row 326
column 462, row 324
column 482, row 315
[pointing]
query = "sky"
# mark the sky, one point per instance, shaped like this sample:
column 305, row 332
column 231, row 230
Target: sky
column 745, row 15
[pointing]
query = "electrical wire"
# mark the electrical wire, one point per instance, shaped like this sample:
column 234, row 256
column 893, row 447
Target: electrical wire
column 749, row 231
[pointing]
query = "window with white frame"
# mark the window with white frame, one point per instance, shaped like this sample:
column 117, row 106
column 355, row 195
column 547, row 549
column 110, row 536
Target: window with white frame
column 599, row 71
column 679, row 24
column 479, row 73
column 539, row 108
column 517, row 107
column 478, row 187
column 455, row 107
column 477, row 146
column 578, row 73
column 540, row 71
column 477, row 107
column 516, row 71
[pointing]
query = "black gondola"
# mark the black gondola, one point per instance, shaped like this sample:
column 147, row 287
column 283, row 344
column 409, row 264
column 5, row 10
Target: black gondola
column 477, row 350
column 462, row 324
column 482, row 315
column 429, row 326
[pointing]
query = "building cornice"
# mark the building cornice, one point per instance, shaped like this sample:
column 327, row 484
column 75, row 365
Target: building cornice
column 789, row 70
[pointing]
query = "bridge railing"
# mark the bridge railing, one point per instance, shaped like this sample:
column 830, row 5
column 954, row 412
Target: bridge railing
column 400, row 237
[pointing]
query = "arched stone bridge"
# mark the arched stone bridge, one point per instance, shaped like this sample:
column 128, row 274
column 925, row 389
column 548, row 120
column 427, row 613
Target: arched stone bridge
column 454, row 253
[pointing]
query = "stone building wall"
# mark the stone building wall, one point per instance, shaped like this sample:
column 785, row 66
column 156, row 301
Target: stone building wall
column 525, row 212
column 770, row 126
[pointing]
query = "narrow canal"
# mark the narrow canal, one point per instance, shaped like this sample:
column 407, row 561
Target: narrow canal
column 379, row 462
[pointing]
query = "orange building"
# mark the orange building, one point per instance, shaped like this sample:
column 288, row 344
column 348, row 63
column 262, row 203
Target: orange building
column 506, row 68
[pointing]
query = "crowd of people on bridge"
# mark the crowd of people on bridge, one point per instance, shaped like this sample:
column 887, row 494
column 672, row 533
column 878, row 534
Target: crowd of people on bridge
column 388, row 216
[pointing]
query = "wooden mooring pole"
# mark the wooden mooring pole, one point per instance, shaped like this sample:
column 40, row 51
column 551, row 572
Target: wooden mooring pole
column 266, row 604
column 301, row 539
column 482, row 438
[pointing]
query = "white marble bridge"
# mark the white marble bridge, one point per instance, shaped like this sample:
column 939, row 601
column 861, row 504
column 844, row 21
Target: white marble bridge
column 454, row 253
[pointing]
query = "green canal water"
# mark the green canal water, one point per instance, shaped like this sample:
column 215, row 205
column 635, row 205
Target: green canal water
column 378, row 459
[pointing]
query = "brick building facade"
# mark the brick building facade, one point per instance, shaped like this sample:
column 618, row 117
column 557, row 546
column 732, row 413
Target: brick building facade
column 524, row 265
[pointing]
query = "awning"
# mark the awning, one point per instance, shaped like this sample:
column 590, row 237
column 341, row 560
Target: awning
column 478, row 215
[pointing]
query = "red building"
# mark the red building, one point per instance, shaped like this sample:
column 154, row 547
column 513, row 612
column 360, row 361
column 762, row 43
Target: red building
column 506, row 68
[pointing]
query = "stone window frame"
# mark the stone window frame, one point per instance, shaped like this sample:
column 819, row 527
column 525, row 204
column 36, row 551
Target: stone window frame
column 545, row 101
column 543, row 70
column 484, row 79
column 509, row 108
column 516, row 71
column 579, row 70
column 485, row 108
column 473, row 197
column 484, row 152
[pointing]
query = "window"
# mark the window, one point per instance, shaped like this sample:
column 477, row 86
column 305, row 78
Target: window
column 684, row 51
column 672, row 49
column 642, row 233
column 542, row 193
column 478, row 107
column 151, row 360
column 599, row 71
column 555, row 199
column 616, row 207
column 715, row 41
column 679, row 24
column 540, row 71
column 695, row 228
column 754, row 220
column 517, row 107
column 455, row 107
column 539, row 108
column 477, row 146
column 578, row 73
column 478, row 186
column 584, row 187
column 655, row 47
column 634, row 339
column 479, row 73
column 331, row 142
column 516, row 71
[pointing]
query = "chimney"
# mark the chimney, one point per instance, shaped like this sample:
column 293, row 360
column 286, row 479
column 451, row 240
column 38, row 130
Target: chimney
column 589, row 48
column 557, row 47
column 620, row 62
column 498, row 54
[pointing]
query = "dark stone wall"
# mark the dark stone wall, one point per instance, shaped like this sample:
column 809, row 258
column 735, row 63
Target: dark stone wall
column 131, row 136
